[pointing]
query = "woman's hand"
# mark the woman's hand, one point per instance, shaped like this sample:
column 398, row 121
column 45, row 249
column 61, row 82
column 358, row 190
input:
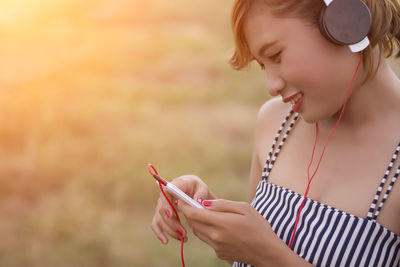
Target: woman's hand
column 164, row 220
column 237, row 232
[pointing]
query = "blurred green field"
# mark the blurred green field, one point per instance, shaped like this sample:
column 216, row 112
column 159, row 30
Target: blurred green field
column 92, row 91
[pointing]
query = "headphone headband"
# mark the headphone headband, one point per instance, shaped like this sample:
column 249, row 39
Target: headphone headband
column 346, row 22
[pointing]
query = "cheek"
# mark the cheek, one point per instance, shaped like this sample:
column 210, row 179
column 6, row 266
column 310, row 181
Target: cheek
column 322, row 72
column 304, row 73
column 315, row 60
column 321, row 85
column 316, row 69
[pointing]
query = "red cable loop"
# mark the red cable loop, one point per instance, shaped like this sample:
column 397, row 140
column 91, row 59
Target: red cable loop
column 151, row 168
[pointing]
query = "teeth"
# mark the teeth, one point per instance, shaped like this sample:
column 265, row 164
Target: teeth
column 296, row 98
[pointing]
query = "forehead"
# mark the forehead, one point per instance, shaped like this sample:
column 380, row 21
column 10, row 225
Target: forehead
column 262, row 26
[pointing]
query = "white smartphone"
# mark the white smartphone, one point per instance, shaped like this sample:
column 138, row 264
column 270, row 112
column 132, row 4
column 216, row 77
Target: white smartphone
column 176, row 192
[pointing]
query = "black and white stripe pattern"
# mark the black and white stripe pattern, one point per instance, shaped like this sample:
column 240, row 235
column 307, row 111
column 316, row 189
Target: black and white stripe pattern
column 271, row 159
column 387, row 192
column 370, row 214
column 325, row 235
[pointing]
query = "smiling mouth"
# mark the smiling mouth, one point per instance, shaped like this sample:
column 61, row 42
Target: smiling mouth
column 297, row 102
column 295, row 98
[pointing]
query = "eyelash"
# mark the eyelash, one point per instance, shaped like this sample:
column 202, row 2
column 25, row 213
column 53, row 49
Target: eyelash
column 275, row 58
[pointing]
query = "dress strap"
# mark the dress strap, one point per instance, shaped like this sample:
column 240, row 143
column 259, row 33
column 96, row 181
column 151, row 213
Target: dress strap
column 273, row 153
column 374, row 215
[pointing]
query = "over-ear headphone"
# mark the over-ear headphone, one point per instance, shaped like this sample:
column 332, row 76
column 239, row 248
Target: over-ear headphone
column 346, row 22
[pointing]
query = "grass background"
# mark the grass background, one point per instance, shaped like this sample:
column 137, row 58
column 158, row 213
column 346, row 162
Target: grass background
column 90, row 92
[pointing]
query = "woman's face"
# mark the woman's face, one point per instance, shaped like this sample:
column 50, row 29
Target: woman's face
column 300, row 60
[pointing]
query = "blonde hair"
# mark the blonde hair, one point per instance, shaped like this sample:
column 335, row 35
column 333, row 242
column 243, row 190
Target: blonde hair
column 384, row 32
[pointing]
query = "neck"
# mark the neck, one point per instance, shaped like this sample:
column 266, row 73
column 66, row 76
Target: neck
column 377, row 98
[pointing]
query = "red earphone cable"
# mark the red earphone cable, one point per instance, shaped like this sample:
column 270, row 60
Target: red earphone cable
column 169, row 202
column 323, row 151
column 179, row 220
column 149, row 167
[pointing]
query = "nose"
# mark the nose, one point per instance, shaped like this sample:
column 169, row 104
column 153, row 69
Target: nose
column 275, row 83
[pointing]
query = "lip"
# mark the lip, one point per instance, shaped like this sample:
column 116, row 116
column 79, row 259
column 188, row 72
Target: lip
column 288, row 98
column 296, row 107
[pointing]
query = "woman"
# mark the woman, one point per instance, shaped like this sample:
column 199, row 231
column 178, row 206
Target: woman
column 344, row 220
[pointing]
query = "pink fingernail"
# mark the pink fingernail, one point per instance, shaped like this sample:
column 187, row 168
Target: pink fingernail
column 207, row 203
column 176, row 202
column 180, row 232
column 200, row 200
column 168, row 213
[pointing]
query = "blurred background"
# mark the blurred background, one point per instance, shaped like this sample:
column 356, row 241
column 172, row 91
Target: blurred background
column 90, row 93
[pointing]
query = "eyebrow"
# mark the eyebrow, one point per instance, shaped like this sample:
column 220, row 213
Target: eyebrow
column 265, row 47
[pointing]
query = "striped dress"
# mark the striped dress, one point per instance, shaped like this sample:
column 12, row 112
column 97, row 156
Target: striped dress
column 326, row 236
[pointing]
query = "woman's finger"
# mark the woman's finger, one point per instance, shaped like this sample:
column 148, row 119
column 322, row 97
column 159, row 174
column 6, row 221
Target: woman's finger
column 163, row 219
column 223, row 205
column 201, row 193
column 166, row 211
column 158, row 231
column 164, row 203
column 174, row 229
column 193, row 214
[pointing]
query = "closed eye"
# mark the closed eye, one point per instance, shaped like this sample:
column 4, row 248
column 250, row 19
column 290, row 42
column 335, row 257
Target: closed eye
column 276, row 57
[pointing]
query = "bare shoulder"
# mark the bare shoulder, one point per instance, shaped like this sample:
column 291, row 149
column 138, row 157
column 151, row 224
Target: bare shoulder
column 270, row 117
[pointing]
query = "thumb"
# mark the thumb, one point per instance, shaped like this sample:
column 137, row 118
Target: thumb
column 223, row 205
column 186, row 209
column 200, row 195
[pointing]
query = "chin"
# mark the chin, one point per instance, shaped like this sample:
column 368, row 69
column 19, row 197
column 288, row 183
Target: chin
column 311, row 117
column 316, row 116
column 308, row 119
